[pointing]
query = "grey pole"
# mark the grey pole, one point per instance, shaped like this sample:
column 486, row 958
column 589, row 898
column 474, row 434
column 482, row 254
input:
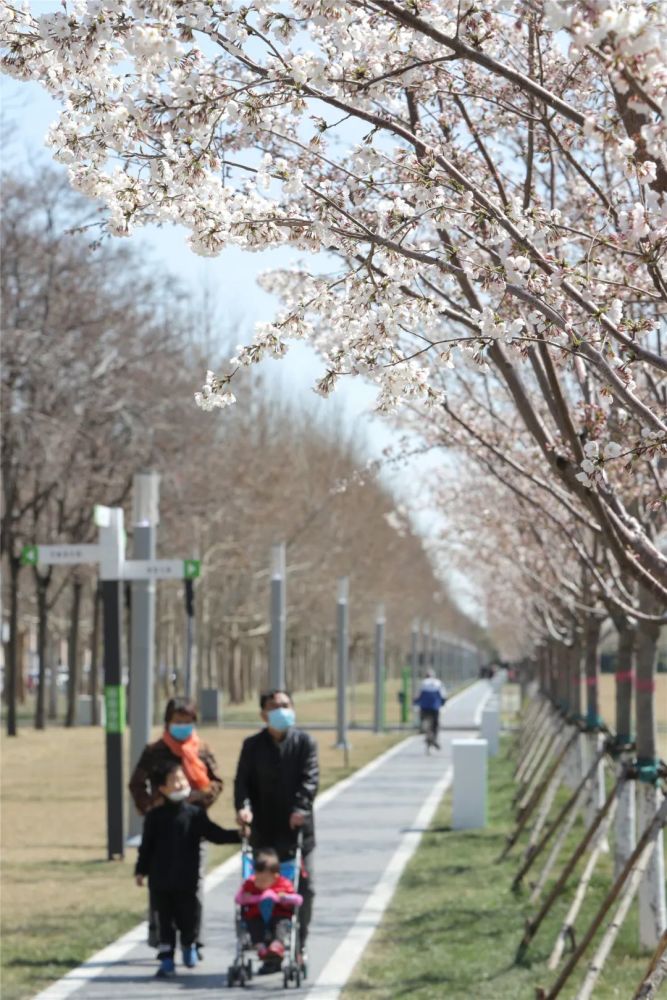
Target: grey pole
column 189, row 636
column 342, row 628
column 145, row 517
column 278, row 618
column 426, row 645
column 414, row 655
column 442, row 659
column 378, row 725
column 112, row 542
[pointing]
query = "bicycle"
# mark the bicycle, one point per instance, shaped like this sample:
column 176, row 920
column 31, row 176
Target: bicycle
column 428, row 727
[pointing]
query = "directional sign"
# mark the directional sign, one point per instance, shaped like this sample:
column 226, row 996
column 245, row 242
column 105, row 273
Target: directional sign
column 191, row 569
column 59, row 555
column 132, row 569
column 160, row 569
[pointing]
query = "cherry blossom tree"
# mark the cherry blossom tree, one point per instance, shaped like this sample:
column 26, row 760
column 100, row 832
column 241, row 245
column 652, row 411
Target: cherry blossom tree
column 465, row 182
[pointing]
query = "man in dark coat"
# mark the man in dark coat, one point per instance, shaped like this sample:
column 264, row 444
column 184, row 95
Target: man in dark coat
column 275, row 785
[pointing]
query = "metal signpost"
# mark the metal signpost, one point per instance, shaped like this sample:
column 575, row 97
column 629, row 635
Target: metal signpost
column 109, row 553
column 278, row 618
column 342, row 627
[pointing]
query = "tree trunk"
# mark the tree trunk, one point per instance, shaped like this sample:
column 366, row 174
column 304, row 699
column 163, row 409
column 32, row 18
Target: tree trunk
column 577, row 758
column 73, row 655
column 23, row 645
column 593, row 720
column 592, row 670
column 54, row 661
column 12, row 645
column 94, row 656
column 652, row 904
column 626, row 823
column 42, row 583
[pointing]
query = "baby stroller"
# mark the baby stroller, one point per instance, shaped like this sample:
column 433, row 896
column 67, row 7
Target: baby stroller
column 241, row 971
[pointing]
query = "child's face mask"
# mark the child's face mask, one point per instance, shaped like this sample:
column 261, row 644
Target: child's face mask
column 181, row 731
column 179, row 794
column 281, row 719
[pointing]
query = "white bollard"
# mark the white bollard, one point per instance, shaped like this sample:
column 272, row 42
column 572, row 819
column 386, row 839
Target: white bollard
column 469, row 789
column 210, row 703
column 490, row 728
column 498, row 680
column 84, row 710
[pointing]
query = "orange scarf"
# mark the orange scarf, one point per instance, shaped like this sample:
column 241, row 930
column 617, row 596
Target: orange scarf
column 188, row 751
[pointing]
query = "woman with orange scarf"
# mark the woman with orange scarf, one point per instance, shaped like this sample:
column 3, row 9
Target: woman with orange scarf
column 179, row 741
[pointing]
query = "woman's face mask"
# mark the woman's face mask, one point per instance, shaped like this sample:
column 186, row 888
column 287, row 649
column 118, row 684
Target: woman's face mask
column 281, row 719
column 181, row 730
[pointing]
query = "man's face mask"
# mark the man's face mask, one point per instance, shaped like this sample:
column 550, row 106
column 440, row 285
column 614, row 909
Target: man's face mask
column 281, row 719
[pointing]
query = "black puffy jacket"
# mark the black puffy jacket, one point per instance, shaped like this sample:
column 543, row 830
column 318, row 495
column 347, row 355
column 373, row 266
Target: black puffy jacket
column 169, row 851
column 277, row 779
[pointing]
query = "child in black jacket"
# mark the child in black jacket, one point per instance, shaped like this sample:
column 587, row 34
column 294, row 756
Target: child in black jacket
column 169, row 856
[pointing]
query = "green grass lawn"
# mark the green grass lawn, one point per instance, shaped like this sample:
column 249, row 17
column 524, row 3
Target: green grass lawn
column 453, row 927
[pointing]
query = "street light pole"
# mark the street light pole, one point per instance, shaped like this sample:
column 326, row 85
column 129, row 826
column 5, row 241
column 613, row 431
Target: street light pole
column 145, row 518
column 112, row 545
column 342, row 629
column 379, row 668
column 278, row 618
column 414, row 655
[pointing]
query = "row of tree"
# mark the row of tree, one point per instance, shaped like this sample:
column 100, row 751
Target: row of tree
column 92, row 335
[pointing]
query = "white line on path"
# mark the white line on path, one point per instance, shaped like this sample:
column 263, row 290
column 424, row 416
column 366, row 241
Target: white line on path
column 116, row 952
column 336, row 972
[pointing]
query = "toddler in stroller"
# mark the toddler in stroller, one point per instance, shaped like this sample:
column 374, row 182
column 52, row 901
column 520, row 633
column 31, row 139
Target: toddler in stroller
column 267, row 916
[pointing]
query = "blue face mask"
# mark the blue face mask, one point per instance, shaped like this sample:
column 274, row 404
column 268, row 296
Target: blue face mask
column 181, row 730
column 281, row 719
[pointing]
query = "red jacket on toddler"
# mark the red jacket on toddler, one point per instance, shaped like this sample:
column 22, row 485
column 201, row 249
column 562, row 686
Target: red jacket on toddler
column 281, row 891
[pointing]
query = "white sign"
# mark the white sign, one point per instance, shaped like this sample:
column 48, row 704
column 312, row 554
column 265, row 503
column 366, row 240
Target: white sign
column 61, row 555
column 153, row 569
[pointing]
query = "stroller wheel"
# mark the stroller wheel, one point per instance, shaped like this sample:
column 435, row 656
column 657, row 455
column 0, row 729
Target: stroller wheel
column 297, row 977
column 286, row 979
column 231, row 976
column 248, row 969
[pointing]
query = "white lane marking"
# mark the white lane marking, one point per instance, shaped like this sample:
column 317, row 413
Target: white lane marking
column 95, row 965
column 480, row 708
column 115, row 952
column 337, row 971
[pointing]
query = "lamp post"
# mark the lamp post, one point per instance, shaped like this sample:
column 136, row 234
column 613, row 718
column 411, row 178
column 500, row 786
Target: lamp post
column 145, row 519
column 278, row 618
column 379, row 668
column 342, row 629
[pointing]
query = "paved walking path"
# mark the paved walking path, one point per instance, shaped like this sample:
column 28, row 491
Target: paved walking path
column 367, row 828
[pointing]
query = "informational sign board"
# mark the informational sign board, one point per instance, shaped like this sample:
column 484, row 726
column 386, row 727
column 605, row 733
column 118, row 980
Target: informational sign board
column 60, row 555
column 132, row 569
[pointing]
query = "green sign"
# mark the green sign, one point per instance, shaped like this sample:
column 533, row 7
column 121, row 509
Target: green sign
column 114, row 702
column 191, row 569
column 29, row 555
